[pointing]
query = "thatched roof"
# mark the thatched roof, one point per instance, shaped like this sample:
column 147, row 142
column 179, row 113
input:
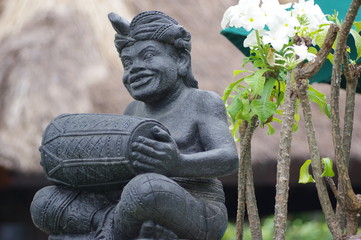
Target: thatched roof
column 58, row 57
column 54, row 55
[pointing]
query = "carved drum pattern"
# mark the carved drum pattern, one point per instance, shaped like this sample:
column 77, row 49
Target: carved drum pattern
column 86, row 151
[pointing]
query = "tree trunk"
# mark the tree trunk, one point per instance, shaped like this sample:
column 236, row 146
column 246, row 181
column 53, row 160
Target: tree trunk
column 251, row 203
column 284, row 160
column 241, row 199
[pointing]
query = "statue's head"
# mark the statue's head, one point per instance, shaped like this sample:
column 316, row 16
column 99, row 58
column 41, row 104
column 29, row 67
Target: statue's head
column 154, row 34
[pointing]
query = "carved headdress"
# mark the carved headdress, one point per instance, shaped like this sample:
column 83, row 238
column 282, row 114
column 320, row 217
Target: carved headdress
column 152, row 25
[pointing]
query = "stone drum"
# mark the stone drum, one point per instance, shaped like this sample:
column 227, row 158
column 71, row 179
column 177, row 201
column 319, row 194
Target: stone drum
column 88, row 151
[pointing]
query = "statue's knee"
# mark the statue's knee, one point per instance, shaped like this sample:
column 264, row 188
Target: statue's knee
column 149, row 190
column 49, row 206
column 41, row 206
column 60, row 210
column 148, row 184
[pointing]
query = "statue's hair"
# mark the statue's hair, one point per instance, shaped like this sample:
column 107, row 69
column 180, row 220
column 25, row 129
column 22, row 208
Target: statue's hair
column 153, row 25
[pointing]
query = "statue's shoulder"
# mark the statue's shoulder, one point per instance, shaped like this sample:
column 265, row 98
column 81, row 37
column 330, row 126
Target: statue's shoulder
column 131, row 108
column 207, row 100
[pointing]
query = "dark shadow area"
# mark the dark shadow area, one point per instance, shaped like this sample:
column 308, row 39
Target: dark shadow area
column 15, row 220
column 302, row 198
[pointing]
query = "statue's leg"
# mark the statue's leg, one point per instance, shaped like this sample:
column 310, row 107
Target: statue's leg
column 61, row 211
column 156, row 198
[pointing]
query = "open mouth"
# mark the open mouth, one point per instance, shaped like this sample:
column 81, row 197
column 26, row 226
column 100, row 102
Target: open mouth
column 140, row 80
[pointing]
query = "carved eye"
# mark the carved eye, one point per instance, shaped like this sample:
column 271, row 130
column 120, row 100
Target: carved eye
column 149, row 55
column 126, row 63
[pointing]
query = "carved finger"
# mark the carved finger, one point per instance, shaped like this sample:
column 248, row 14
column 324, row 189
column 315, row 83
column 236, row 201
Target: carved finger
column 142, row 167
column 145, row 149
column 156, row 145
column 140, row 157
column 161, row 134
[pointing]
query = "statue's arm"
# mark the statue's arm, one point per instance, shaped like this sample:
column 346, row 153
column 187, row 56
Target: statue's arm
column 220, row 156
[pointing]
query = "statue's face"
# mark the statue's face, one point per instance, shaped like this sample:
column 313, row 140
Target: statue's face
column 150, row 70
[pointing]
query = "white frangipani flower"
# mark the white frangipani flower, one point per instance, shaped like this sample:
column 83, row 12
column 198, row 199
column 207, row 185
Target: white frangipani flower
column 253, row 19
column 246, row 14
column 272, row 8
column 312, row 12
column 251, row 40
column 232, row 16
column 282, row 23
column 276, row 39
column 303, row 54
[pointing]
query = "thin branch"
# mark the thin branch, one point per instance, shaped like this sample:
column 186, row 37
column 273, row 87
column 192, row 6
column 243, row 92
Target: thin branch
column 351, row 83
column 241, row 199
column 312, row 68
column 251, row 203
column 345, row 187
column 323, row 196
column 347, row 198
column 333, row 187
column 284, row 160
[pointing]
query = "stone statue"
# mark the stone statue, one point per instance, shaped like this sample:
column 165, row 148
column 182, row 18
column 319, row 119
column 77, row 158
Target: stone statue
column 150, row 173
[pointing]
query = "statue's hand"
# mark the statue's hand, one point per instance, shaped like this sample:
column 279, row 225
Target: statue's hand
column 158, row 156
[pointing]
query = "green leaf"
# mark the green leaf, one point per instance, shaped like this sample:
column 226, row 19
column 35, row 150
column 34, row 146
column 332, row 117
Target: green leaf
column 258, row 63
column 263, row 109
column 236, row 72
column 312, row 50
column 276, row 119
column 294, row 127
column 234, row 108
column 317, row 97
column 327, row 110
column 230, row 88
column 256, row 81
column 297, row 117
column 280, row 91
column 271, row 129
column 245, row 114
column 320, row 37
column 327, row 166
column 234, row 129
column 280, row 112
column 305, row 176
column 357, row 26
column 268, row 88
column 330, row 57
column 357, row 38
column 280, row 98
column 245, row 61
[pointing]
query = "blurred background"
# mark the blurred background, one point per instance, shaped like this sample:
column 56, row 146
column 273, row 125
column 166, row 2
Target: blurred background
column 57, row 56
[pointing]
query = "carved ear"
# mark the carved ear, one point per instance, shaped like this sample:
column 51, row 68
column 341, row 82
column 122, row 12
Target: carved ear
column 184, row 63
column 120, row 25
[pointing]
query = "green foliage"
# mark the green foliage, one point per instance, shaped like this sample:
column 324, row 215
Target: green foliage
column 327, row 168
column 263, row 109
column 256, row 81
column 357, row 39
column 252, row 95
column 357, row 26
column 305, row 176
column 320, row 99
column 308, row 226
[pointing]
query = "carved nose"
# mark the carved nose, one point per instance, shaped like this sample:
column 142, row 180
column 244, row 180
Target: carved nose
column 137, row 66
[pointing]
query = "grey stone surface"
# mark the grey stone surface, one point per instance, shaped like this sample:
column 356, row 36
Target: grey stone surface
column 150, row 173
